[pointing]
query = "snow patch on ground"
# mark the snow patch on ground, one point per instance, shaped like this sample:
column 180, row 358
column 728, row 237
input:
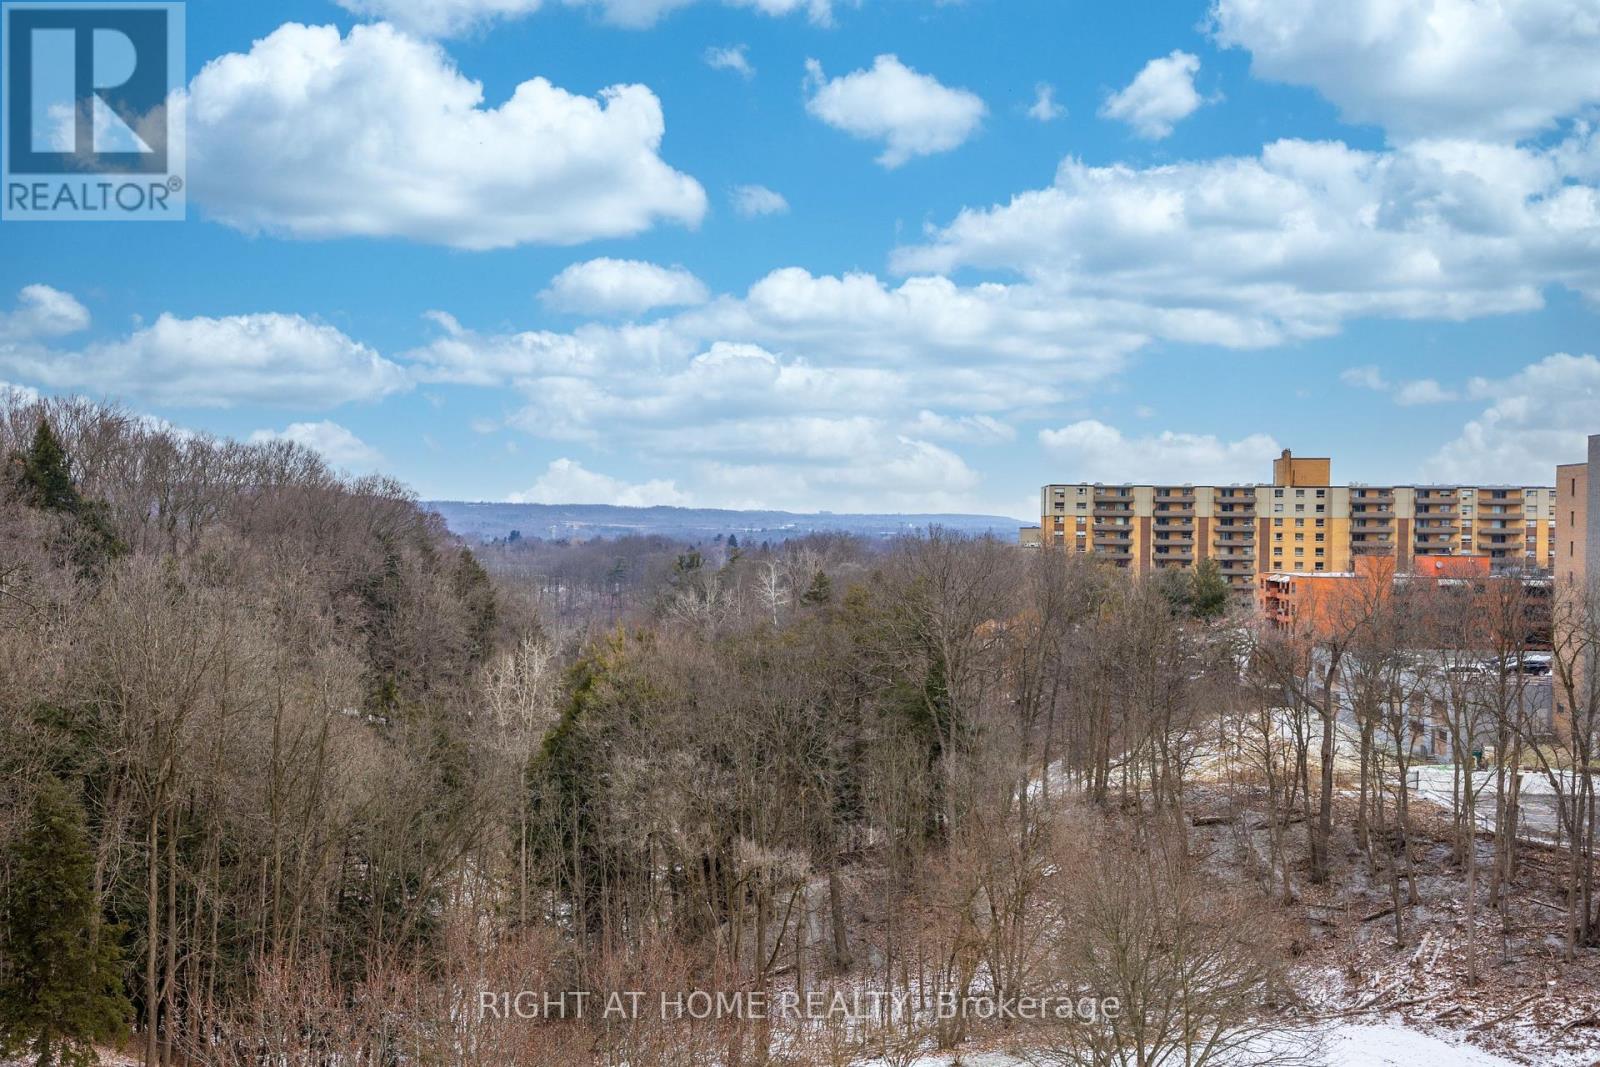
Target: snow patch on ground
column 1376, row 1044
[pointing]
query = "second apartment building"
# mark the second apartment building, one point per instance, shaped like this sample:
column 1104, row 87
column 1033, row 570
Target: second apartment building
column 1298, row 522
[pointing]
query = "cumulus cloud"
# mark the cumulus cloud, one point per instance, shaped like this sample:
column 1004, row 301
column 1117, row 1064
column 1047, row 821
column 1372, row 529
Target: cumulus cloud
column 448, row 17
column 1407, row 394
column 1423, row 391
column 1427, row 68
column 622, row 286
column 731, row 58
column 377, row 134
column 806, row 390
column 42, row 312
column 1294, row 242
column 1094, row 451
column 1536, row 418
column 1044, row 107
column 1160, row 96
column 218, row 362
column 566, row 481
column 911, row 113
column 753, row 201
column 335, row 443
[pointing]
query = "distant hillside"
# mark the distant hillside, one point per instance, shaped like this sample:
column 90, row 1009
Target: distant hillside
column 583, row 521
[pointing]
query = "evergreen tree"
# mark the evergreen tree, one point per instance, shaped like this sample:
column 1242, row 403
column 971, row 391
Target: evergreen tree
column 820, row 591
column 46, row 475
column 42, row 478
column 1208, row 591
column 60, row 990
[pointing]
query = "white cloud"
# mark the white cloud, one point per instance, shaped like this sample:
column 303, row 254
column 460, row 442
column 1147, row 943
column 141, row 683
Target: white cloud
column 911, row 113
column 218, row 362
column 335, row 443
column 1094, row 451
column 897, row 474
column 377, row 134
column 622, row 286
column 814, row 391
column 1044, row 107
column 18, row 394
column 1423, row 391
column 1368, row 377
column 730, row 58
column 753, row 201
column 1428, row 68
column 1160, row 95
column 448, row 17
column 1294, row 242
column 976, row 429
column 1406, row 394
column 42, row 312
column 927, row 342
column 441, row 17
column 1535, row 419
column 566, row 481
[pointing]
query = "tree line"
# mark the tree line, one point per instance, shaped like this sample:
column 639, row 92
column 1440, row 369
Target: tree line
column 304, row 773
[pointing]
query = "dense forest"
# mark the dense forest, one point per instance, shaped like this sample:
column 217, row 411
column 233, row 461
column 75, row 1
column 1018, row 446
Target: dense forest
column 290, row 775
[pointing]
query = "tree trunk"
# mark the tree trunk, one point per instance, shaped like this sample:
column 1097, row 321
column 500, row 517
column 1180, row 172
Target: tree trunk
column 841, row 938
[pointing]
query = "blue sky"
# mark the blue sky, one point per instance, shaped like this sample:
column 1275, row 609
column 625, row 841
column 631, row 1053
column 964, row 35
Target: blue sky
column 998, row 244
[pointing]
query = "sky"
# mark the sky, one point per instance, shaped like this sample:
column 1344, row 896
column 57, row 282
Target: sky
column 881, row 255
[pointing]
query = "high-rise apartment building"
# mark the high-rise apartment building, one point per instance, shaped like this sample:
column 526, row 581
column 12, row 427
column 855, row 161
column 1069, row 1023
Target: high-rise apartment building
column 1577, row 570
column 1577, row 531
column 1299, row 521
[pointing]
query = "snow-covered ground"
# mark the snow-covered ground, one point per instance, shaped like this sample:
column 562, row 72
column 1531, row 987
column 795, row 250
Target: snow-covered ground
column 1394, row 1045
column 1375, row 1044
column 1537, row 814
